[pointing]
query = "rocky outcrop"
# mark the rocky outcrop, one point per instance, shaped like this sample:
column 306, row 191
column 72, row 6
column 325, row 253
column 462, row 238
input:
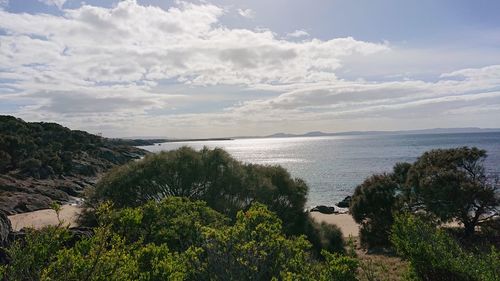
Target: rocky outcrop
column 324, row 209
column 28, row 194
column 344, row 203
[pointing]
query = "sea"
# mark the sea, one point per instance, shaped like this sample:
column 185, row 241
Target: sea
column 333, row 166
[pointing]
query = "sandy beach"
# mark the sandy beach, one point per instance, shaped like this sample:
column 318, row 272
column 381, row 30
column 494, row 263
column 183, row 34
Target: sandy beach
column 344, row 221
column 69, row 213
column 41, row 218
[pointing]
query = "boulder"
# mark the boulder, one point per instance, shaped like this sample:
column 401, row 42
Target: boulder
column 344, row 203
column 324, row 209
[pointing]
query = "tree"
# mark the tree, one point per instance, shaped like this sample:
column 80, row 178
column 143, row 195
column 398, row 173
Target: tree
column 452, row 184
column 372, row 206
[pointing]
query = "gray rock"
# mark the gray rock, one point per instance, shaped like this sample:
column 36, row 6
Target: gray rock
column 324, row 209
column 344, row 203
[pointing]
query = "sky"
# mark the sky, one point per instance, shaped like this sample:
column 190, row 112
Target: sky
column 196, row 69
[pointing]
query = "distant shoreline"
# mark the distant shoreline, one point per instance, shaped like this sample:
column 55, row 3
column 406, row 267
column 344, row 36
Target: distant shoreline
column 191, row 140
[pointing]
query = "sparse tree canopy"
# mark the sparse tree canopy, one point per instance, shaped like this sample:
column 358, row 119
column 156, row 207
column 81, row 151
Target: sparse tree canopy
column 452, row 184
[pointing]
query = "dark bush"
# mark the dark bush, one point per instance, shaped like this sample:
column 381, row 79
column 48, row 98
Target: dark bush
column 373, row 205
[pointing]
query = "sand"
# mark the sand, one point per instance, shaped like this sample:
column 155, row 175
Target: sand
column 41, row 218
column 344, row 221
column 69, row 213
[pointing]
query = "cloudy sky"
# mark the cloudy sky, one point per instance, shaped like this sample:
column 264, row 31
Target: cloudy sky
column 226, row 68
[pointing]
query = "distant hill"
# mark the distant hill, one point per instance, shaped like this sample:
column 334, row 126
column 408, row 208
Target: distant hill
column 404, row 132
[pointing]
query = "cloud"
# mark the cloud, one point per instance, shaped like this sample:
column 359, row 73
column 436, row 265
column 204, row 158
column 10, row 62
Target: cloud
column 57, row 3
column 246, row 13
column 181, row 70
column 297, row 33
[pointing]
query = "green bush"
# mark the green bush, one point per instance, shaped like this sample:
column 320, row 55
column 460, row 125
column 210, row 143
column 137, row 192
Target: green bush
column 106, row 256
column 255, row 247
column 434, row 255
column 325, row 236
column 30, row 255
column 174, row 221
column 372, row 206
column 210, row 175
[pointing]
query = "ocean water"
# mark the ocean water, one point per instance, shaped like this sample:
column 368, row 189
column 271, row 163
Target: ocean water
column 333, row 166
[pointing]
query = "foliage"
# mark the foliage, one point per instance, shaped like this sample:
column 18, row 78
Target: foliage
column 106, row 256
column 452, row 184
column 339, row 267
column 42, row 150
column 210, row 175
column 372, row 206
column 442, row 185
column 38, row 249
column 434, row 255
column 324, row 236
column 253, row 248
column 174, row 221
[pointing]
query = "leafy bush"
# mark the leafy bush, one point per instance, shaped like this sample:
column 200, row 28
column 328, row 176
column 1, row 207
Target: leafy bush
column 325, row 236
column 38, row 249
column 372, row 206
column 174, row 221
column 106, row 256
column 434, row 255
column 253, row 248
column 210, row 175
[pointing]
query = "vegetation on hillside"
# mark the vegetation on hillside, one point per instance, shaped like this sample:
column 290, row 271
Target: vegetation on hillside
column 43, row 150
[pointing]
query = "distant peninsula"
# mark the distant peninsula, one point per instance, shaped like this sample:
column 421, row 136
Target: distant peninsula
column 402, row 132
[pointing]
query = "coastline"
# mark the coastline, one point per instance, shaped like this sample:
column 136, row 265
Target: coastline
column 69, row 214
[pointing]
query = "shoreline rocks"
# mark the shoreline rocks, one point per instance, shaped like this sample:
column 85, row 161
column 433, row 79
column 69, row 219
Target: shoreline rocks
column 344, row 203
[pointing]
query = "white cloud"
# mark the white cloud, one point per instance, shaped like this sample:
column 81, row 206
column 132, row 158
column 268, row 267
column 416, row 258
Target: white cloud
column 131, row 66
column 297, row 33
column 58, row 3
column 246, row 13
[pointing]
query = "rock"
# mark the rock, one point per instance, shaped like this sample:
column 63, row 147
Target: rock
column 324, row 209
column 344, row 203
column 5, row 229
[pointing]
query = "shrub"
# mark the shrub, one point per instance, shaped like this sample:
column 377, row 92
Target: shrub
column 434, row 255
column 174, row 221
column 372, row 206
column 39, row 248
column 209, row 175
column 325, row 236
column 254, row 248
